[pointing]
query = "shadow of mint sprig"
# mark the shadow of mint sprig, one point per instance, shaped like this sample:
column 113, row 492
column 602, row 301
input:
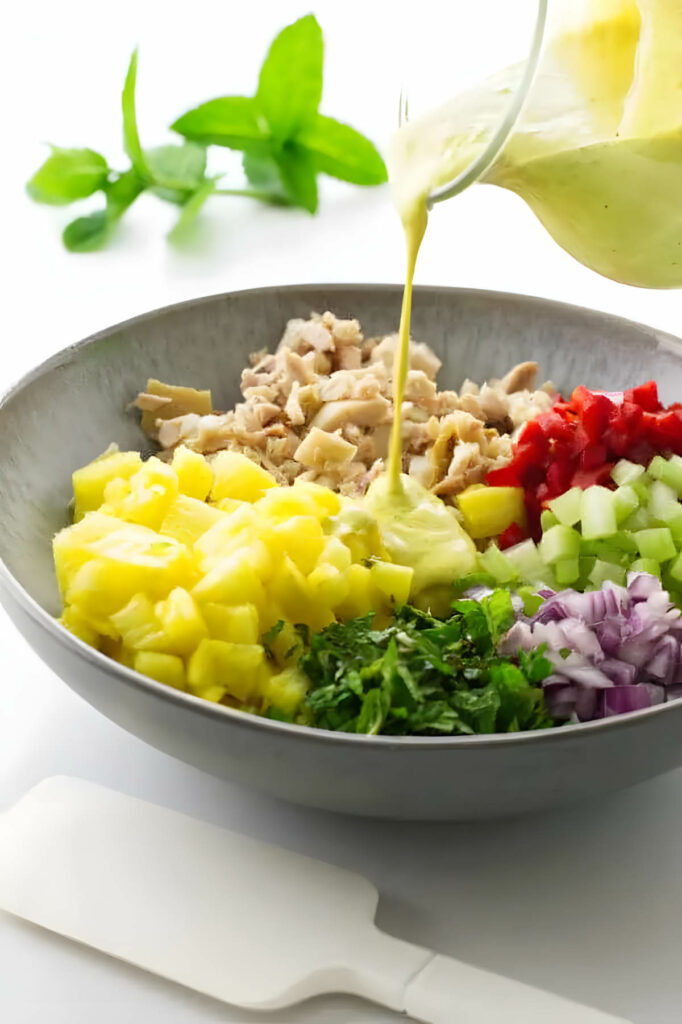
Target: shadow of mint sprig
column 284, row 139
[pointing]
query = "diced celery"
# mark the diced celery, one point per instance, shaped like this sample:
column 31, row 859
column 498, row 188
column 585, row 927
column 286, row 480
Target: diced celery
column 626, row 472
column 528, row 562
column 495, row 562
column 671, row 515
column 675, row 569
column 668, row 471
column 602, row 571
column 558, row 544
column 661, row 498
column 598, row 513
column 639, row 520
column 626, row 502
column 567, row 571
column 616, row 556
column 590, row 547
column 567, row 506
column 586, row 563
column 641, row 489
column 623, row 541
column 646, row 565
column 656, row 543
column 547, row 519
column 531, row 600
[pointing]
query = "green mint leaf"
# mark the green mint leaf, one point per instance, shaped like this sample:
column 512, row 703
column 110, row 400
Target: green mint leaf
column 290, row 82
column 342, row 152
column 68, row 175
column 298, row 175
column 263, row 173
column 500, row 611
column 131, row 137
column 85, row 234
column 191, row 209
column 232, row 121
column 180, row 168
column 122, row 193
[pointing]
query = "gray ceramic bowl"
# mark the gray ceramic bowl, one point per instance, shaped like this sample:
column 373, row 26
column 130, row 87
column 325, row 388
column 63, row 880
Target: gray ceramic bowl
column 70, row 408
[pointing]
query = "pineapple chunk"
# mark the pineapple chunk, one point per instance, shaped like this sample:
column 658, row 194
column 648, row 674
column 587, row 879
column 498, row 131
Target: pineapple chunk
column 335, row 553
column 147, row 495
column 236, row 476
column 227, row 504
column 77, row 624
column 71, row 546
column 219, row 540
column 393, row 581
column 286, row 690
column 90, row 481
column 236, row 668
column 359, row 532
column 233, row 580
column 165, row 668
column 181, row 621
column 361, row 598
column 281, row 503
column 488, row 511
column 129, row 561
column 327, row 502
column 300, row 538
column 234, row 623
column 292, row 593
column 187, row 519
column 194, row 473
column 138, row 626
column 329, row 585
column 285, row 643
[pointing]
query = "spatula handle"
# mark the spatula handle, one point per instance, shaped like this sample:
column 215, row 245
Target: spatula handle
column 448, row 992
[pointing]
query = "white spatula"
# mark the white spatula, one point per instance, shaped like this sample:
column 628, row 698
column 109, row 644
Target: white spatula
column 234, row 918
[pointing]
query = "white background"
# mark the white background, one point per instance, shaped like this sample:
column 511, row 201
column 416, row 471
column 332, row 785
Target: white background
column 586, row 901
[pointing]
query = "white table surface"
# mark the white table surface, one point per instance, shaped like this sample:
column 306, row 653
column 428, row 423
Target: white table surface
column 586, row 901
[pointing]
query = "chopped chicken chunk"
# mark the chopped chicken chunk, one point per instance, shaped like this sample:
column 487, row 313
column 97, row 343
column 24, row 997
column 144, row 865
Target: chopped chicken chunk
column 321, row 407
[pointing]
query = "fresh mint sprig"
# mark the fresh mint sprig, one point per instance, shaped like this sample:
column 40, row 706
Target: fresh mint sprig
column 286, row 143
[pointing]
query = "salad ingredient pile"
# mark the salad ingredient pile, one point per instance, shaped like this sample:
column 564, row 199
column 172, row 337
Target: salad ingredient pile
column 423, row 674
column 320, row 408
column 318, row 594
column 615, row 650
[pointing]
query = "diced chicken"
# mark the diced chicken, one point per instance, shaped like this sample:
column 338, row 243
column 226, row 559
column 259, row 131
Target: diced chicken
column 180, row 400
column 321, row 407
column 319, row 449
column 521, row 378
column 368, row 412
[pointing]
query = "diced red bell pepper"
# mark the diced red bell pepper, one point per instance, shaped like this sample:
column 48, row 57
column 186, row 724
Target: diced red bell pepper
column 506, row 476
column 645, row 396
column 593, row 456
column 594, row 411
column 514, row 534
column 598, row 475
column 559, row 475
column 577, row 443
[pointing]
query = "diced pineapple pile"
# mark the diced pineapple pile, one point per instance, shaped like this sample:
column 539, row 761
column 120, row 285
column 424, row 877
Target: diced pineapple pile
column 180, row 570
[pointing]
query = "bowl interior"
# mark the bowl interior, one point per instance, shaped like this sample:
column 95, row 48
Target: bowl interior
column 72, row 407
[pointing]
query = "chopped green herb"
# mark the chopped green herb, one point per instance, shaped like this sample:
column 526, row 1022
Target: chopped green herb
column 422, row 675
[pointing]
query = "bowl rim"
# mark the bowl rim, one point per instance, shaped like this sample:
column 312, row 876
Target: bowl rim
column 11, row 586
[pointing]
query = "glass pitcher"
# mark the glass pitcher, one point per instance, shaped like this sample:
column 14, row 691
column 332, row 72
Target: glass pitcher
column 588, row 131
